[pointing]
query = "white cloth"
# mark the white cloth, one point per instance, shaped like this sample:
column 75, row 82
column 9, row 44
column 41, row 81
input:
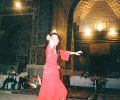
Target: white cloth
column 80, row 81
column 23, row 74
column 87, row 82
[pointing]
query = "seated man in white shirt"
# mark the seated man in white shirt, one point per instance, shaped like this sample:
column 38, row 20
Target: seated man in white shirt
column 23, row 79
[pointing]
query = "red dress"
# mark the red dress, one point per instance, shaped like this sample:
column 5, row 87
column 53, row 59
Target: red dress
column 52, row 87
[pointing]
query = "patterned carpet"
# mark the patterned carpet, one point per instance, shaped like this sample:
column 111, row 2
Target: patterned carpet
column 81, row 94
column 106, row 94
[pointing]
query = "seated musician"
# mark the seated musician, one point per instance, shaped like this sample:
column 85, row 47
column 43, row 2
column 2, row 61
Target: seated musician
column 23, row 79
column 11, row 78
column 35, row 83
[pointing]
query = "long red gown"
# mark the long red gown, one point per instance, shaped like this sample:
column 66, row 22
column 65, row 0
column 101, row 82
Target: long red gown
column 52, row 87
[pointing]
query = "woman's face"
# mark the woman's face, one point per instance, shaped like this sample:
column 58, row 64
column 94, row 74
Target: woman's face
column 55, row 39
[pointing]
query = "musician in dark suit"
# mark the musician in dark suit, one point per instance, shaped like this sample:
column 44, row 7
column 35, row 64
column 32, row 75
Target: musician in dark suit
column 23, row 79
column 11, row 78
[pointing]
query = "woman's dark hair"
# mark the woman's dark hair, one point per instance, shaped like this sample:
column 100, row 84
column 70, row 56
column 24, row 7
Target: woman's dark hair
column 57, row 48
column 54, row 34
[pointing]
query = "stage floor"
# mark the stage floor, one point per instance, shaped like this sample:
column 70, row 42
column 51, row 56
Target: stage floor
column 81, row 94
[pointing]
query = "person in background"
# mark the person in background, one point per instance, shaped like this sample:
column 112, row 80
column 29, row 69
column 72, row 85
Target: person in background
column 23, row 79
column 52, row 87
column 35, row 83
column 11, row 78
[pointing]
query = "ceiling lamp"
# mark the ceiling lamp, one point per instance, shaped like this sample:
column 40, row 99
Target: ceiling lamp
column 112, row 32
column 87, row 33
column 18, row 5
column 100, row 26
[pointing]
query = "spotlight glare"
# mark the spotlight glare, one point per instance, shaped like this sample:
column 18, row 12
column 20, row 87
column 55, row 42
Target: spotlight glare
column 18, row 5
column 88, row 32
column 112, row 32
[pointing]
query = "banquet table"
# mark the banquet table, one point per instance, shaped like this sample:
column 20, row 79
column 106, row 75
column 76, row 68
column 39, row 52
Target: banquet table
column 87, row 82
column 113, row 83
column 80, row 81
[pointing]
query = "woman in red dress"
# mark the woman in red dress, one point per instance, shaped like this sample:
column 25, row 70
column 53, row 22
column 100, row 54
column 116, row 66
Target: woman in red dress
column 52, row 87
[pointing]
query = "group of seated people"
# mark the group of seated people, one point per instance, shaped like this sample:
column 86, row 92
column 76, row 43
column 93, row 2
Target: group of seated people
column 23, row 79
column 23, row 82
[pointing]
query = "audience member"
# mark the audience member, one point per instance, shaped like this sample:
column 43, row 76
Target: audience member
column 23, row 79
column 11, row 78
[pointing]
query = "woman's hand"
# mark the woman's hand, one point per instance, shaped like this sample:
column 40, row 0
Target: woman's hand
column 58, row 66
column 78, row 53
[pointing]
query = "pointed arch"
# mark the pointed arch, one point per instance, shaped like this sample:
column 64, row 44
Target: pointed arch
column 70, row 23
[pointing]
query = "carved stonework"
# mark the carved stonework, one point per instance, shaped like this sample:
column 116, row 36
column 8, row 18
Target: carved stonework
column 37, row 55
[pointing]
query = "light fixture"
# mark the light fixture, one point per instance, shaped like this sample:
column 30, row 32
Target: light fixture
column 87, row 33
column 18, row 4
column 100, row 26
column 112, row 33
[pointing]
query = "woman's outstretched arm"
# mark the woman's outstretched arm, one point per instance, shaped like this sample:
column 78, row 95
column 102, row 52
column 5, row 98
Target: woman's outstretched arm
column 76, row 53
column 66, row 54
